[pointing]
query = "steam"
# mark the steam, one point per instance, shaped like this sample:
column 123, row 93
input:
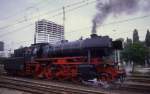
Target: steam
column 117, row 7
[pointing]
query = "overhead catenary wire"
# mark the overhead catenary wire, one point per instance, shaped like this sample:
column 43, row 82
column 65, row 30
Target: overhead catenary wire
column 70, row 32
column 111, row 23
column 71, row 9
column 21, row 11
column 35, row 6
column 115, row 22
column 46, row 13
column 27, row 26
column 16, row 30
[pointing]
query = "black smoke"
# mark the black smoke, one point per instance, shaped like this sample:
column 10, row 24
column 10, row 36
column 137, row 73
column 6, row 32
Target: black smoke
column 117, row 7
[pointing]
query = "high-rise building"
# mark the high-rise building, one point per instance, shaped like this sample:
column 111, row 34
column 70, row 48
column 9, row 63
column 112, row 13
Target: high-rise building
column 1, row 46
column 2, row 54
column 48, row 31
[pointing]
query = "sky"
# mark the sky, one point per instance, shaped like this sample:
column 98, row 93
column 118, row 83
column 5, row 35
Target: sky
column 17, row 20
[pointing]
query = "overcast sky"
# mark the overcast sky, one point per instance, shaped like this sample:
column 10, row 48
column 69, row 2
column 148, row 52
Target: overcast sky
column 17, row 20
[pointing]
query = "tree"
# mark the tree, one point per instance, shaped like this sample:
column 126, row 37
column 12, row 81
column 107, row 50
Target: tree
column 128, row 42
column 147, row 39
column 135, row 36
column 147, row 43
column 135, row 53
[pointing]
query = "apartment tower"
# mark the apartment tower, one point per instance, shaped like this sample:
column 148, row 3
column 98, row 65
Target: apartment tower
column 48, row 32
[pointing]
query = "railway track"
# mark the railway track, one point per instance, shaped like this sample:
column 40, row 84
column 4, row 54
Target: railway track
column 54, row 87
column 42, row 88
column 139, row 83
column 139, row 78
column 136, row 79
column 136, row 86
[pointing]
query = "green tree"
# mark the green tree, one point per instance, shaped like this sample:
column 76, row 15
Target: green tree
column 147, row 39
column 147, row 43
column 128, row 42
column 135, row 53
column 135, row 36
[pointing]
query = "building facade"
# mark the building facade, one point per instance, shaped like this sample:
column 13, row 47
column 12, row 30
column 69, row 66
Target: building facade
column 47, row 31
column 1, row 46
column 2, row 53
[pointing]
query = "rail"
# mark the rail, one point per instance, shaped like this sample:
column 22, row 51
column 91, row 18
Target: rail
column 42, row 88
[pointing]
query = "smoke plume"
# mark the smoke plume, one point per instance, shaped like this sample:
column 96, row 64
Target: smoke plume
column 117, row 7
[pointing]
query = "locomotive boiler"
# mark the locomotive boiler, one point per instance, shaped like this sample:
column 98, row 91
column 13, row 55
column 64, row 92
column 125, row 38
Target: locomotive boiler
column 96, row 46
column 78, row 60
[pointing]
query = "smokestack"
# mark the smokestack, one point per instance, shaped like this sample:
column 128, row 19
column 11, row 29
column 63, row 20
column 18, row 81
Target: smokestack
column 117, row 8
column 94, row 27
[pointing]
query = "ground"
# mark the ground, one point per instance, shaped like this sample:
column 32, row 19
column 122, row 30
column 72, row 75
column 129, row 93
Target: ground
column 10, row 91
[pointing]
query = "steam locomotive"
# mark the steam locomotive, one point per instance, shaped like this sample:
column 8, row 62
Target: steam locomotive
column 79, row 60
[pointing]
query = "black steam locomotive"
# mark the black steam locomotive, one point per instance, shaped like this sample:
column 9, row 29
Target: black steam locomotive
column 82, row 59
